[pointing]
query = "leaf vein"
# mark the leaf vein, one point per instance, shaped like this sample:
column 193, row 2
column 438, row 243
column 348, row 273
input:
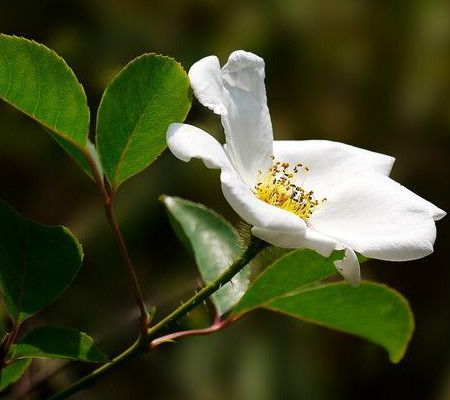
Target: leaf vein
column 133, row 133
column 39, row 86
column 8, row 63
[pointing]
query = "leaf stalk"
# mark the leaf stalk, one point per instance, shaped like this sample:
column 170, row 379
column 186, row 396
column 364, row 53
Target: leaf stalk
column 108, row 200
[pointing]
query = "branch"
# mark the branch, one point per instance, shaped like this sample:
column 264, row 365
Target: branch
column 142, row 344
column 108, row 200
column 255, row 246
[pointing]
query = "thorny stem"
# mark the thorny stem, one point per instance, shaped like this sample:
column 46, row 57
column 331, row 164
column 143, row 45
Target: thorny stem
column 93, row 377
column 144, row 343
column 255, row 246
column 108, row 199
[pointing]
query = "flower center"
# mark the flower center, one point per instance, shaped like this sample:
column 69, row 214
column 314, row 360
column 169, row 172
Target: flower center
column 276, row 187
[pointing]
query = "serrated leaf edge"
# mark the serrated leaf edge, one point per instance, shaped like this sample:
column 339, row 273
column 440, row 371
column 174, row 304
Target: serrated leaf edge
column 116, row 184
column 162, row 198
column 53, row 53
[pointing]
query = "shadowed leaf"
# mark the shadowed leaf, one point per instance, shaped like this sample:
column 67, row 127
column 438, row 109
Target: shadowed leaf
column 36, row 81
column 215, row 246
column 37, row 262
column 61, row 343
column 12, row 372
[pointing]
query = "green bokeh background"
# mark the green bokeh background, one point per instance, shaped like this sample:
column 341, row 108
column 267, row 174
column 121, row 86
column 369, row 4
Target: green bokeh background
column 369, row 73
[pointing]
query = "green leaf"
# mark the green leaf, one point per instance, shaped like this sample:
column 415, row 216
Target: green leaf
column 293, row 271
column 38, row 82
column 61, row 343
column 12, row 372
column 37, row 262
column 150, row 93
column 372, row 311
column 215, row 246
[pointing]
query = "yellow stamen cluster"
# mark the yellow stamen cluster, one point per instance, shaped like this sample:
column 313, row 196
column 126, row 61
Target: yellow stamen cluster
column 276, row 187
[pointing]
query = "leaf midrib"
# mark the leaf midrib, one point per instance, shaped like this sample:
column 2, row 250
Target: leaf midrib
column 133, row 134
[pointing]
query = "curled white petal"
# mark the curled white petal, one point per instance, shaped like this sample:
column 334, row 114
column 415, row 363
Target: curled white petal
column 348, row 267
column 329, row 163
column 238, row 94
column 206, row 81
column 379, row 218
column 186, row 142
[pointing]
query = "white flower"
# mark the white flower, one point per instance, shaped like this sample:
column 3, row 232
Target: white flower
column 313, row 194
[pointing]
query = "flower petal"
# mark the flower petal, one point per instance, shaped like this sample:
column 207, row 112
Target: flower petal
column 379, row 218
column 238, row 94
column 329, row 163
column 310, row 239
column 348, row 267
column 206, row 81
column 186, row 142
column 254, row 211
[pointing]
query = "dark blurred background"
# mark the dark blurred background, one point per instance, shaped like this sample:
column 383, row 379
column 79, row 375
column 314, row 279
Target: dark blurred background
column 373, row 74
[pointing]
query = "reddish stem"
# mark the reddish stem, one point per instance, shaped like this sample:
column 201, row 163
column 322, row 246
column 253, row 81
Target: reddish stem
column 216, row 326
column 108, row 199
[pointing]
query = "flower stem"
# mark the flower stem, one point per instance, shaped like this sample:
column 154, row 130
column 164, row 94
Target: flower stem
column 255, row 246
column 108, row 200
column 143, row 344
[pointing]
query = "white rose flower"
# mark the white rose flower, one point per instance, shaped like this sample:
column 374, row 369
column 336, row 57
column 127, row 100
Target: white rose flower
column 313, row 194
